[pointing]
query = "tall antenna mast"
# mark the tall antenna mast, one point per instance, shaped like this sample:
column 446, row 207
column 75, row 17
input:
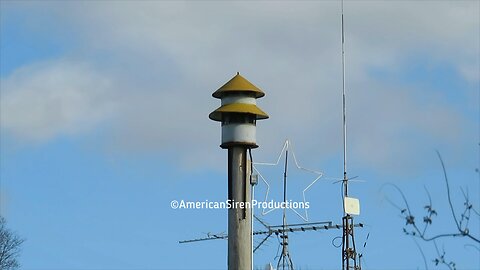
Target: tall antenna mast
column 285, row 261
column 345, row 179
column 349, row 253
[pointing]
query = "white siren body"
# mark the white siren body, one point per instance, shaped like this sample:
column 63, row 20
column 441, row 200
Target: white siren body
column 239, row 134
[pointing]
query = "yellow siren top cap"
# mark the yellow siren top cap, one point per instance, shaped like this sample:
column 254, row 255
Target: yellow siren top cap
column 238, row 108
column 238, row 84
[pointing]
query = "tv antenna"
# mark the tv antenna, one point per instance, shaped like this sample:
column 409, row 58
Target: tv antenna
column 285, row 261
column 351, row 206
column 281, row 231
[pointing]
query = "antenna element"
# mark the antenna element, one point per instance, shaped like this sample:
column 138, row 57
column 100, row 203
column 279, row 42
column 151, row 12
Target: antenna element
column 349, row 253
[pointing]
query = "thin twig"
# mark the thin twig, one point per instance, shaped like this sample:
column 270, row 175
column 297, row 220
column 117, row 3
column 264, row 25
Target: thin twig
column 403, row 196
column 421, row 252
column 448, row 190
column 429, row 209
column 470, row 245
column 441, row 258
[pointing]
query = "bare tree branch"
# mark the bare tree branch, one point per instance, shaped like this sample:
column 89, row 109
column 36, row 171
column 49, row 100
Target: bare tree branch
column 448, row 190
column 462, row 222
column 9, row 247
column 441, row 258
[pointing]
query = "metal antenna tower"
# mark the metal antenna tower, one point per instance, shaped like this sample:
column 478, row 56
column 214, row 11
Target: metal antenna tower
column 282, row 231
column 285, row 261
column 349, row 253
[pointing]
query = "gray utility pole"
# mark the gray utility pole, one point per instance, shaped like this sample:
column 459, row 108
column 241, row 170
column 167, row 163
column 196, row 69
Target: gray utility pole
column 238, row 114
column 239, row 219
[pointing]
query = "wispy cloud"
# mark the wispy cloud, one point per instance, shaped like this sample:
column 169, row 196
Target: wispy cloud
column 43, row 101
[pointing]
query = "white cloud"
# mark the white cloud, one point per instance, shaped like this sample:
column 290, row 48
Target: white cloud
column 42, row 101
column 166, row 58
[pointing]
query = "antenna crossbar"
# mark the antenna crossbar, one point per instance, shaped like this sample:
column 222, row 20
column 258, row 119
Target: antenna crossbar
column 313, row 226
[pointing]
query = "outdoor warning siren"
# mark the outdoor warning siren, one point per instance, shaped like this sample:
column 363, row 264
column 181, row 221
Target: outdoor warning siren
column 238, row 112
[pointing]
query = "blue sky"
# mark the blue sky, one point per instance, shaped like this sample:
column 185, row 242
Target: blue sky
column 104, row 121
